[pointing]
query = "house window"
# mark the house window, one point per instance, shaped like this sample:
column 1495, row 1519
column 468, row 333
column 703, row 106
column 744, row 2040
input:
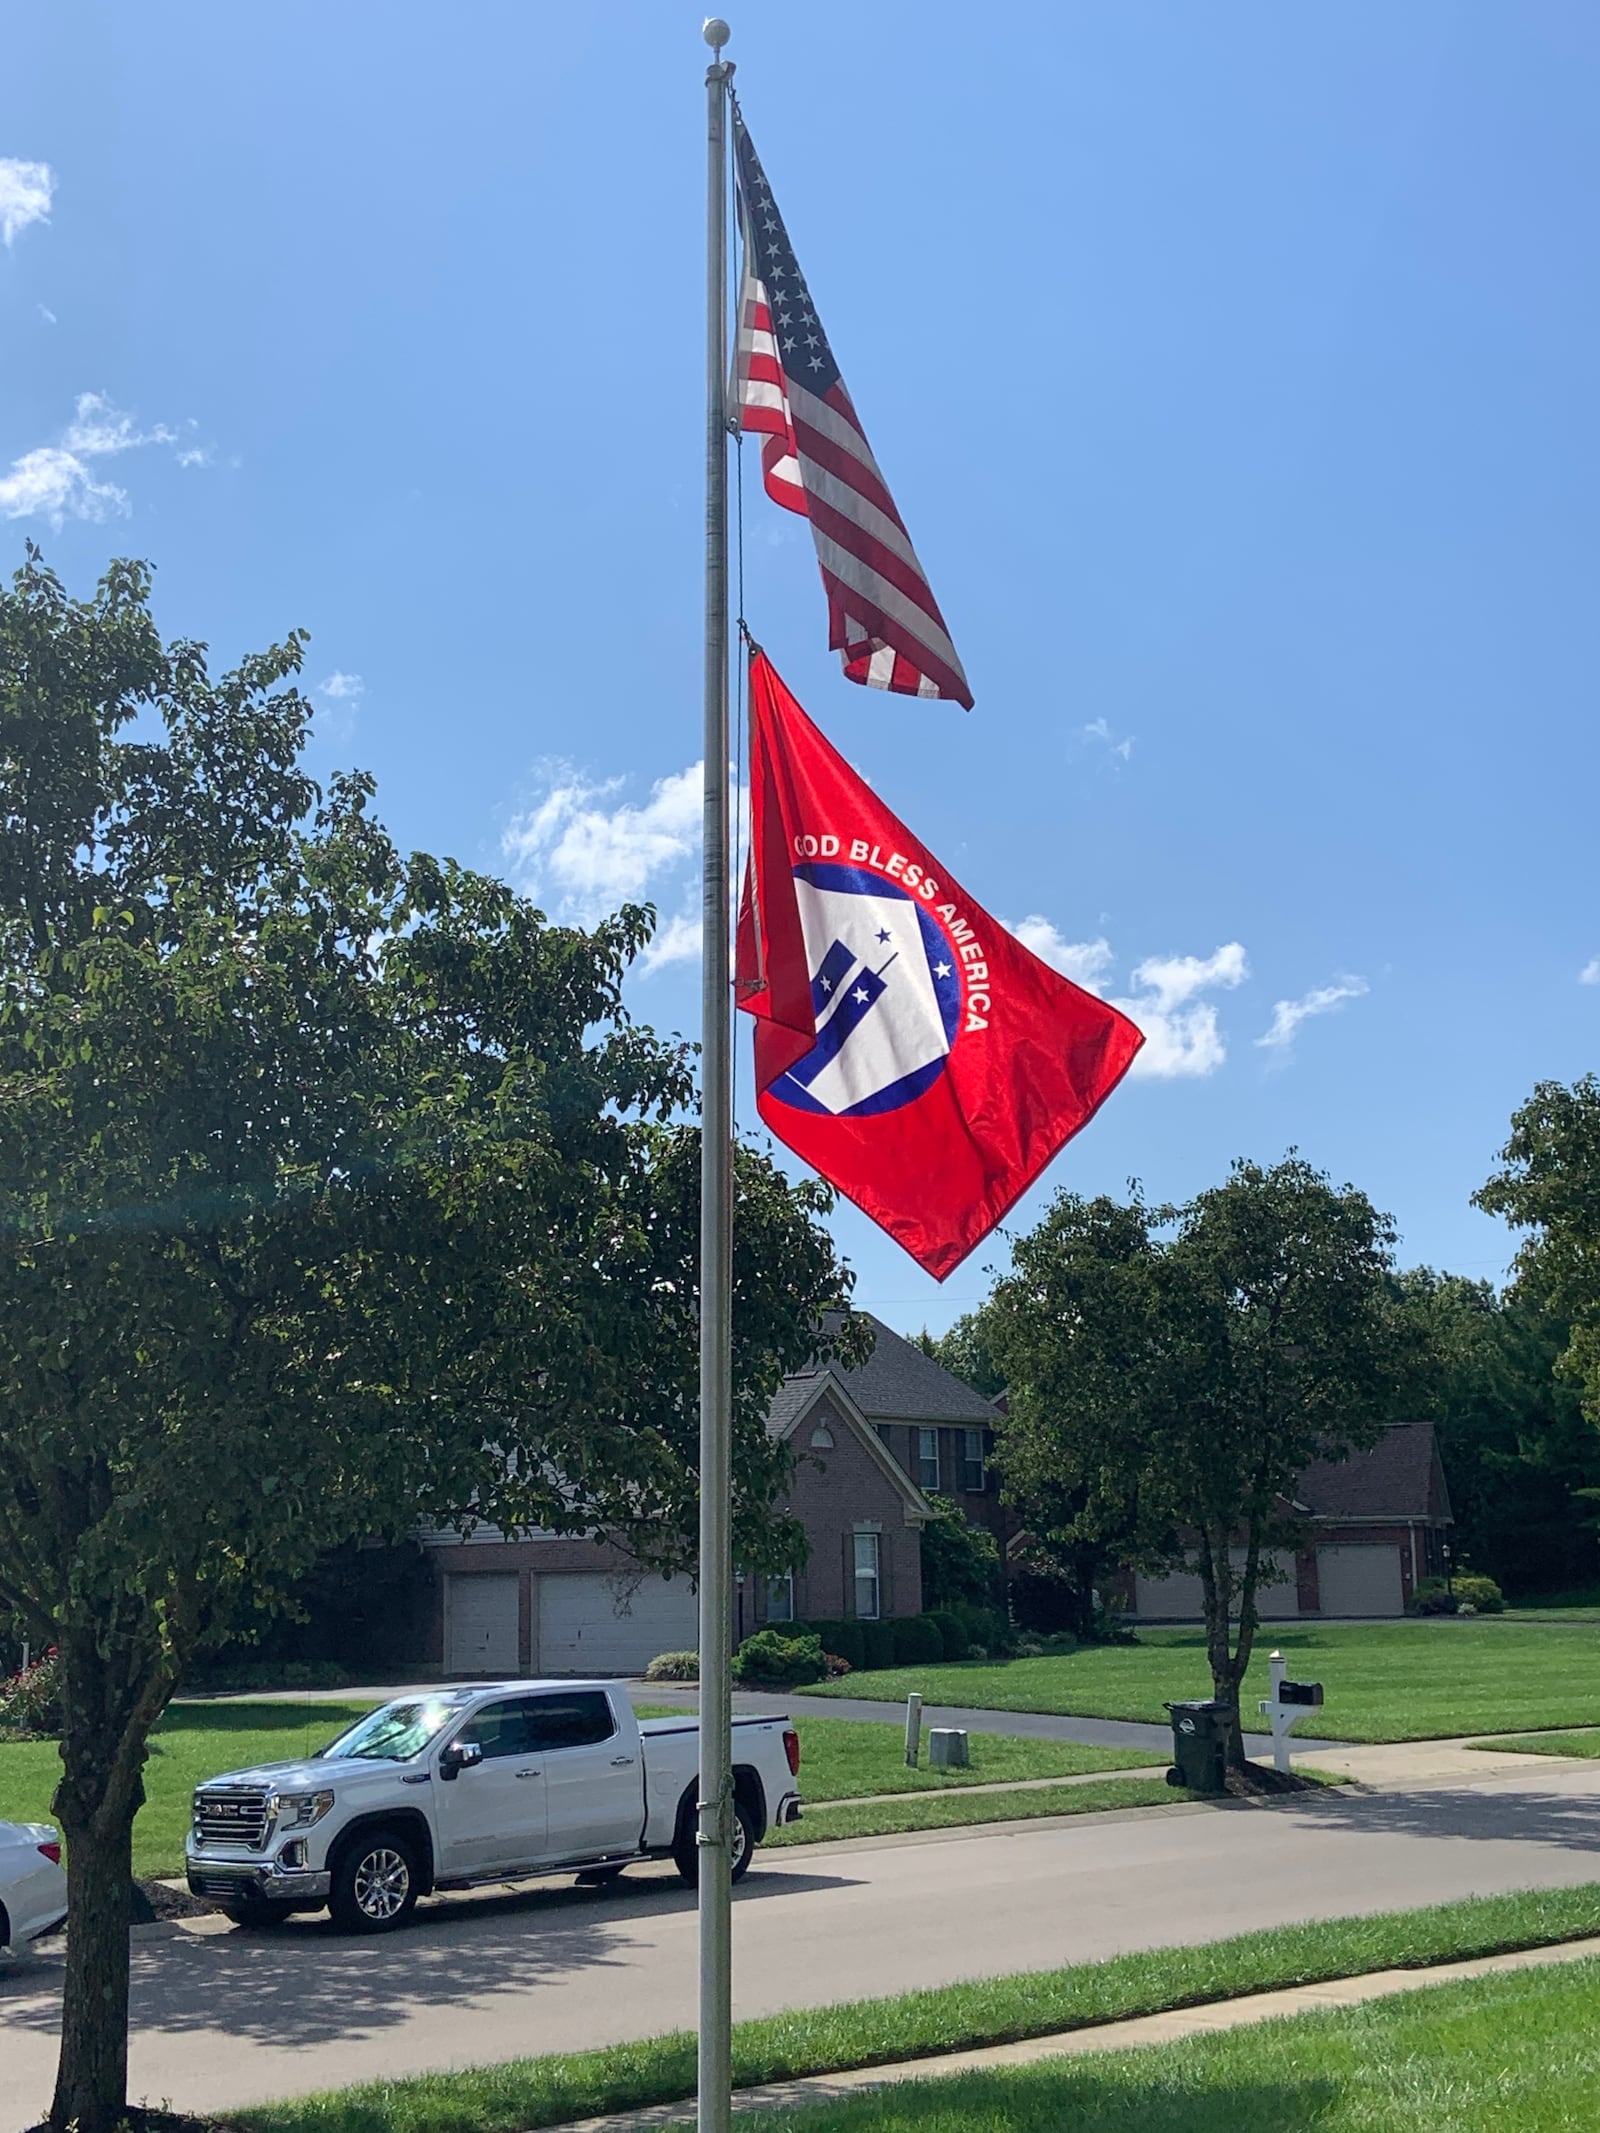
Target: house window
column 866, row 1559
column 928, row 1458
column 780, row 1598
column 972, row 1477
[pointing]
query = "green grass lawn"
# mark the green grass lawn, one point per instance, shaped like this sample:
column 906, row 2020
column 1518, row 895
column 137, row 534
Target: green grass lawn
column 847, row 1758
column 193, row 1742
column 524, row 2094
column 887, row 1818
column 1544, row 1744
column 841, row 1758
column 1518, row 2053
column 1419, row 1680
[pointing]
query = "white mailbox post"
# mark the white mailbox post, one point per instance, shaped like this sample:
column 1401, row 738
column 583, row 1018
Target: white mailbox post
column 1287, row 1705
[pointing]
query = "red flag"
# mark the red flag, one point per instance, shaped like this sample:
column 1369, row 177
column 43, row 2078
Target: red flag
column 908, row 1048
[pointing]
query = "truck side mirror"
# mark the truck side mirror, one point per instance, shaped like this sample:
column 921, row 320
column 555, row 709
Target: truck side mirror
column 459, row 1755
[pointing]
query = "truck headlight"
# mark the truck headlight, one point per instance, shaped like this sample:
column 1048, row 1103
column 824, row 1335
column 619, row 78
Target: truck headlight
column 298, row 1810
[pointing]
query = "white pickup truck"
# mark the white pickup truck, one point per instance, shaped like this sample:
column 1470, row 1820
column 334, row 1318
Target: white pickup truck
column 499, row 1782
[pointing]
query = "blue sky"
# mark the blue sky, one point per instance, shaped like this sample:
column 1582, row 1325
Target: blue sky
column 1233, row 368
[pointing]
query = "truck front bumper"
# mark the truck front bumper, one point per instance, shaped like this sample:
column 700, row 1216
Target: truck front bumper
column 263, row 1881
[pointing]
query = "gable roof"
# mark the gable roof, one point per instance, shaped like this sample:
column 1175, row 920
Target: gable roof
column 799, row 1396
column 898, row 1383
column 1401, row 1477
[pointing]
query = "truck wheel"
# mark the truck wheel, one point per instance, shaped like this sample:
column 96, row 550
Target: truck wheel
column 254, row 1913
column 374, row 1883
column 686, row 1853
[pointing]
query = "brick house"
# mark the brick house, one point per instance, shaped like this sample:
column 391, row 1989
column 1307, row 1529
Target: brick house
column 867, row 1442
column 1376, row 1525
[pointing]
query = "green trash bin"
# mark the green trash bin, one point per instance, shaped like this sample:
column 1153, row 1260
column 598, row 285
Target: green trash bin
column 1200, row 1745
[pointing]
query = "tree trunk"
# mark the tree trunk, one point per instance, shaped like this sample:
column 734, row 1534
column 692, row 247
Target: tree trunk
column 92, row 2079
column 109, row 1703
column 1216, row 1585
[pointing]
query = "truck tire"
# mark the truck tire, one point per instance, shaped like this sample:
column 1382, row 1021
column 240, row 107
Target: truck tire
column 374, row 1882
column 254, row 1914
column 686, row 1853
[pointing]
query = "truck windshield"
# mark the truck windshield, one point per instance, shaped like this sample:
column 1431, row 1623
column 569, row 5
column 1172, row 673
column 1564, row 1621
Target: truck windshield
column 397, row 1732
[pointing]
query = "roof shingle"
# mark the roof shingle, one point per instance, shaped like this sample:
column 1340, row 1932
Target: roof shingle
column 1396, row 1479
column 897, row 1383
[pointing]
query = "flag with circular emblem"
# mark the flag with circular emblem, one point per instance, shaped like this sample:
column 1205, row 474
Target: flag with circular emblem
column 907, row 1046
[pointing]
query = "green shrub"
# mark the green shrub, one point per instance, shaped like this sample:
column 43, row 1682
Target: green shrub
column 985, row 1626
column 673, row 1666
column 1466, row 1589
column 917, row 1642
column 30, row 1701
column 1479, row 1592
column 877, row 1645
column 844, row 1640
column 224, row 1676
column 952, row 1633
column 771, row 1660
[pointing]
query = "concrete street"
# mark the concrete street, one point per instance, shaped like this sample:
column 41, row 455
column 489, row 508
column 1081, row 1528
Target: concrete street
column 223, row 2018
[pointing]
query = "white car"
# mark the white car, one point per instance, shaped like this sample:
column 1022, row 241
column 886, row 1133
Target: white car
column 33, row 1888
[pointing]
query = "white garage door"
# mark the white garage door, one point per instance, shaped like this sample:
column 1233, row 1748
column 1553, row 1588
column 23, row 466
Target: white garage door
column 483, row 1624
column 1360, row 1580
column 593, row 1623
column 1178, row 1598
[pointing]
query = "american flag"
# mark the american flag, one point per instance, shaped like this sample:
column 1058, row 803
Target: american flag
column 882, row 616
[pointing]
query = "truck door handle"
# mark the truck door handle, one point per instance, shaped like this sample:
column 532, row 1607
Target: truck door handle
column 527, row 1773
column 621, row 1762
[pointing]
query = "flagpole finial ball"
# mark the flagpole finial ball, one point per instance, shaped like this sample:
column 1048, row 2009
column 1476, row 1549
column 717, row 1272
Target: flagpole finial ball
column 715, row 32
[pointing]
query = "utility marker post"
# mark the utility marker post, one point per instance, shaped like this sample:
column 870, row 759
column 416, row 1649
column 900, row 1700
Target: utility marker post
column 715, row 1821
column 913, row 1729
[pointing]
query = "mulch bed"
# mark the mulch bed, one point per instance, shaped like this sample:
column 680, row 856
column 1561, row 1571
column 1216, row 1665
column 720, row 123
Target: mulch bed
column 138, row 2120
column 159, row 1899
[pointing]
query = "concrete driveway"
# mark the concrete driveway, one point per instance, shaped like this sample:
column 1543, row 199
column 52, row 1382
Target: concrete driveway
column 223, row 2018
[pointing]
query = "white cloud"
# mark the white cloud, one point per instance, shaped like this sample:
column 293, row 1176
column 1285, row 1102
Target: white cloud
column 57, row 482
column 25, row 194
column 1590, row 973
column 1182, row 1038
column 596, row 857
column 53, row 484
column 1287, row 1015
column 98, row 428
column 1099, row 729
column 1087, row 963
column 678, row 941
column 48, row 315
column 342, row 688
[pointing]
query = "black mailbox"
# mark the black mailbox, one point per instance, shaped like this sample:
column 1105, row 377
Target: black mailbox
column 1300, row 1692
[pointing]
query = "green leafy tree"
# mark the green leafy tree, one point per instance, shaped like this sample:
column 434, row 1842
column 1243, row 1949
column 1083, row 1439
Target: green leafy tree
column 1173, row 1369
column 1550, row 1186
column 336, row 1189
column 965, row 1351
column 960, row 1559
column 1520, row 1458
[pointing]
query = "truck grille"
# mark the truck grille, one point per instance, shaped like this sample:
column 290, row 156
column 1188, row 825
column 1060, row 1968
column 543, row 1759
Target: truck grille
column 232, row 1818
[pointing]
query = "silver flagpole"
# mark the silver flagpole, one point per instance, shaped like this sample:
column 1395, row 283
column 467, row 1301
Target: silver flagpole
column 714, row 1835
